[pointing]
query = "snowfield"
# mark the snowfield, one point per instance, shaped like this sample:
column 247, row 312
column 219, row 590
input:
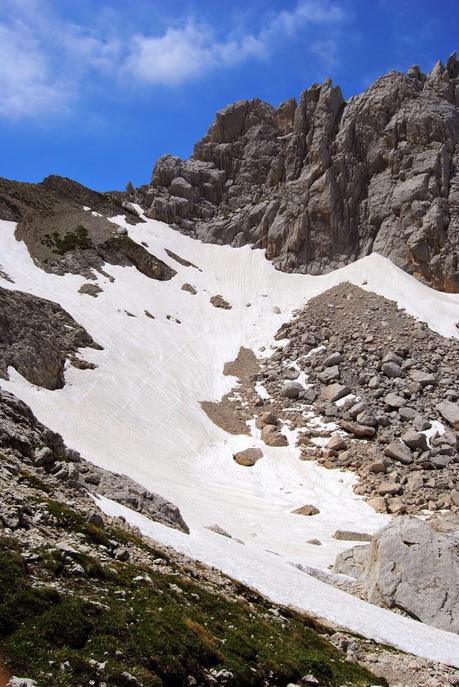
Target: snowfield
column 139, row 414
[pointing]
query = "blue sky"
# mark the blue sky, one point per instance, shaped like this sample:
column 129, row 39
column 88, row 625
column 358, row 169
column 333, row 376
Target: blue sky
column 98, row 90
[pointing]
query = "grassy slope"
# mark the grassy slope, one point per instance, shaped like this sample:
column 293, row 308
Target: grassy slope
column 65, row 614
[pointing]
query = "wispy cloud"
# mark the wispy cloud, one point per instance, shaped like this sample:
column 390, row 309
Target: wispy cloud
column 190, row 51
column 327, row 50
column 45, row 62
column 27, row 84
column 181, row 54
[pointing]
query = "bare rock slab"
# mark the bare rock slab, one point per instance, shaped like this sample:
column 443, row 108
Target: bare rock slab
column 352, row 562
column 333, row 392
column 412, row 567
column 271, row 435
column 348, row 535
column 399, row 451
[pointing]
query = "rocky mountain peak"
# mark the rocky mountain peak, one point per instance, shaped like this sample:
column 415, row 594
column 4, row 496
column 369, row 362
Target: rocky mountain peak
column 320, row 182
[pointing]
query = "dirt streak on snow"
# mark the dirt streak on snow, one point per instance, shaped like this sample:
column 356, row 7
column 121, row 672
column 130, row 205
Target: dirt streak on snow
column 139, row 412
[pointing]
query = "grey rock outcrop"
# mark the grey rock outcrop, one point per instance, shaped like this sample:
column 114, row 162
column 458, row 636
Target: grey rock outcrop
column 36, row 337
column 412, row 567
column 35, row 452
column 450, row 412
column 352, row 562
column 66, row 228
column 320, row 182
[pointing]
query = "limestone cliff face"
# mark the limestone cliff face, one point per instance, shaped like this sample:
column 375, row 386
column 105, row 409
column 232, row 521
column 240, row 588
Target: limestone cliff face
column 321, row 182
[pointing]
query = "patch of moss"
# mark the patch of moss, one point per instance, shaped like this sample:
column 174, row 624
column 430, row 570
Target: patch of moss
column 60, row 244
column 18, row 600
column 68, row 519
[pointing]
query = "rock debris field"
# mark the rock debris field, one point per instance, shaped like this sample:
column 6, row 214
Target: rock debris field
column 368, row 389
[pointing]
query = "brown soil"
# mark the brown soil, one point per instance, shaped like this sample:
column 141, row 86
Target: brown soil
column 4, row 676
column 228, row 414
column 244, row 366
column 223, row 415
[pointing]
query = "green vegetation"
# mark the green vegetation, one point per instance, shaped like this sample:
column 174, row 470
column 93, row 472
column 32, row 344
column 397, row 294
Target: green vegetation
column 33, row 481
column 67, row 619
column 67, row 519
column 70, row 241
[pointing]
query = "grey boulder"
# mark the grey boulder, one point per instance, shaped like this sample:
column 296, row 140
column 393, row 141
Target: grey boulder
column 399, row 451
column 412, row 567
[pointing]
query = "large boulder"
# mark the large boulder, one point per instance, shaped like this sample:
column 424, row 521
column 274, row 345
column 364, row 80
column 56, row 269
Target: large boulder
column 248, row 457
column 415, row 568
column 449, row 412
column 272, row 436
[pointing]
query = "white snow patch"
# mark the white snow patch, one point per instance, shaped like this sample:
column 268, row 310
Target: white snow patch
column 262, row 391
column 341, row 401
column 313, row 351
column 436, row 429
column 285, row 584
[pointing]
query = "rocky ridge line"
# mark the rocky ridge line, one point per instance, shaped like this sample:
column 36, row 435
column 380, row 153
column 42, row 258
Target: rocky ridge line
column 321, row 182
column 66, row 228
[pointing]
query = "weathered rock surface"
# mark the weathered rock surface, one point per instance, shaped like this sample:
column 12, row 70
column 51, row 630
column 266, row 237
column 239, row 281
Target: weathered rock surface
column 320, row 182
column 352, row 562
column 412, row 567
column 31, row 452
column 36, row 337
column 272, row 436
column 248, row 457
column 219, row 302
column 308, row 509
column 450, row 412
column 65, row 228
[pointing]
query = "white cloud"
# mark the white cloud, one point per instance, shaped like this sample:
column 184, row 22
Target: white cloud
column 184, row 53
column 307, row 12
column 27, row 85
column 46, row 62
column 87, row 50
column 326, row 50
